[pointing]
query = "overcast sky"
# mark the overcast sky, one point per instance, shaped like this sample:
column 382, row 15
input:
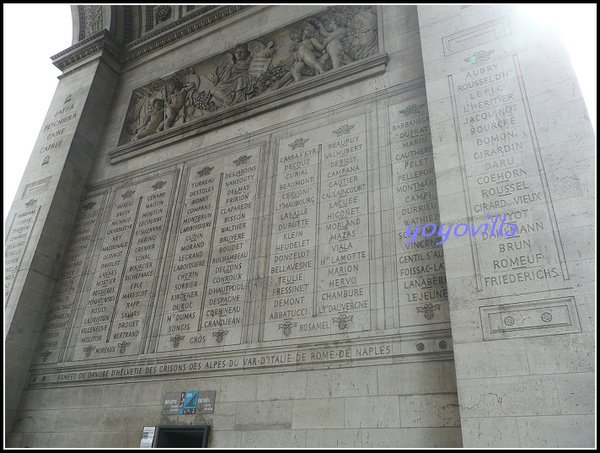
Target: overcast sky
column 35, row 32
column 32, row 34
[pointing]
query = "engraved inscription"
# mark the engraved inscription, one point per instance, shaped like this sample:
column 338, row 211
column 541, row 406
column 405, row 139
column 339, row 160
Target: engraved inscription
column 206, row 298
column 504, row 174
column 123, row 284
column 421, row 276
column 319, row 264
column 59, row 317
column 16, row 242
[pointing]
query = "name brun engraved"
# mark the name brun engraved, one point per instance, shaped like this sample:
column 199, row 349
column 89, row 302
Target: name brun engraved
column 504, row 177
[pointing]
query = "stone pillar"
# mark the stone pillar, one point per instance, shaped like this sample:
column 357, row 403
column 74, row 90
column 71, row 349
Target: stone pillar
column 41, row 217
column 511, row 136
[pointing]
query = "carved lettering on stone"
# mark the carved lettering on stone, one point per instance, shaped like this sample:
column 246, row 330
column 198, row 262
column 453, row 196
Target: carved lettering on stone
column 118, row 304
column 504, row 175
column 421, row 277
column 319, row 264
column 64, row 298
column 17, row 239
column 207, row 295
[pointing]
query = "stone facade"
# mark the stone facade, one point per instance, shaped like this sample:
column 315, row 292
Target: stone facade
column 218, row 203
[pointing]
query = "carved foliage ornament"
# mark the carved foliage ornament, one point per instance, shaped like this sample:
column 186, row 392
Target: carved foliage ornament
column 162, row 13
column 304, row 50
column 90, row 20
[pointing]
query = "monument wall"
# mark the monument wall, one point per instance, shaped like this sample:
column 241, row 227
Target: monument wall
column 511, row 136
column 242, row 233
column 256, row 250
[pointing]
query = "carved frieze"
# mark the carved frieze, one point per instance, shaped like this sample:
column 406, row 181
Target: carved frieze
column 308, row 48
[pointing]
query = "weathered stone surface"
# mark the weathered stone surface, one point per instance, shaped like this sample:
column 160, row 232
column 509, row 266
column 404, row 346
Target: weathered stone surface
column 511, row 136
column 232, row 215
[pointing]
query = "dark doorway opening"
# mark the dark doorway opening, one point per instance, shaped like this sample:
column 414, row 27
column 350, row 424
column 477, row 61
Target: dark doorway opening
column 182, row 437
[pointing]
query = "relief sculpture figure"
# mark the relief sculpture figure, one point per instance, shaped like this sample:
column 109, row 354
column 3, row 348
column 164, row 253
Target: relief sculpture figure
column 154, row 120
column 231, row 80
column 176, row 97
column 305, row 55
column 311, row 47
column 334, row 34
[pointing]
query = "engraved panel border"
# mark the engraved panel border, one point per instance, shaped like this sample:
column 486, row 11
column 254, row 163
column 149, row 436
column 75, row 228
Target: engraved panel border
column 530, row 319
column 475, row 36
column 36, row 187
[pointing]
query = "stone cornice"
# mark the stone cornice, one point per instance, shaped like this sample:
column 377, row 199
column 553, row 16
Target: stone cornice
column 103, row 41
column 99, row 42
column 182, row 27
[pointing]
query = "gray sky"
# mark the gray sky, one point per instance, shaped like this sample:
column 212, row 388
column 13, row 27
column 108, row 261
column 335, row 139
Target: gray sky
column 30, row 78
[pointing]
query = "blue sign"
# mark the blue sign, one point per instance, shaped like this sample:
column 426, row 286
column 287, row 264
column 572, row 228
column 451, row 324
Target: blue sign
column 188, row 403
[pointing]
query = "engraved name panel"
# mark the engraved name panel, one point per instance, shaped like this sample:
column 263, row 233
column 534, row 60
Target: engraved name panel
column 16, row 242
column 59, row 317
column 206, row 302
column 421, row 277
column 116, row 309
column 504, row 175
column 319, row 265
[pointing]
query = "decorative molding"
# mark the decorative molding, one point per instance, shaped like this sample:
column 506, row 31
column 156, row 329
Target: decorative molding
column 220, row 335
column 375, row 348
column 343, row 320
column 162, row 13
column 97, row 43
column 127, row 194
column 286, row 327
column 176, row 340
column 89, row 205
column 36, row 187
column 298, row 143
column 529, row 319
column 343, row 130
column 159, row 185
column 412, row 109
column 178, row 29
column 429, row 310
column 480, row 56
column 150, row 42
column 196, row 22
column 242, row 160
column 205, row 171
column 476, row 35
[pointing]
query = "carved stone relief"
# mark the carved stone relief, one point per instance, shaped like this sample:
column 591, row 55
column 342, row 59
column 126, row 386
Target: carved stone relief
column 306, row 49
column 90, row 20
